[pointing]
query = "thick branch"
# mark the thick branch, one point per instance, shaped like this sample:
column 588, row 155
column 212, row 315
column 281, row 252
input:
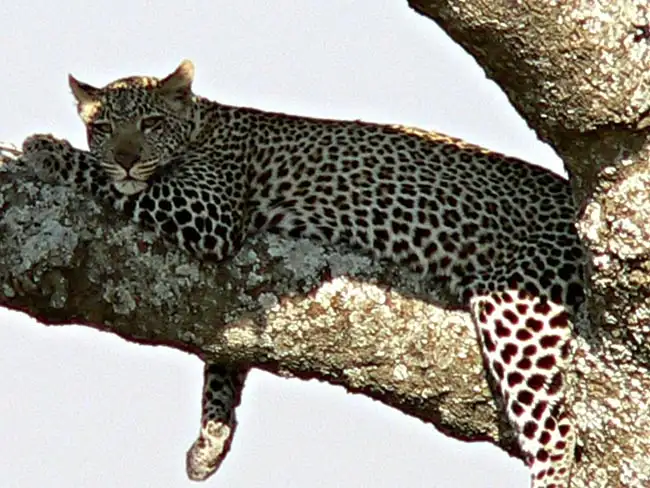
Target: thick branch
column 292, row 307
column 284, row 306
column 575, row 70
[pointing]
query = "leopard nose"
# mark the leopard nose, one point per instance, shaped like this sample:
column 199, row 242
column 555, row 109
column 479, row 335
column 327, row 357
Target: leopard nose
column 126, row 159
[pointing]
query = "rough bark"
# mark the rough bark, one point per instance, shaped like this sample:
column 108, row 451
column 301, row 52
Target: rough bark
column 577, row 72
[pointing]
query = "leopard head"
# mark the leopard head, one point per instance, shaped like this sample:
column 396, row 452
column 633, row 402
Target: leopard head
column 134, row 124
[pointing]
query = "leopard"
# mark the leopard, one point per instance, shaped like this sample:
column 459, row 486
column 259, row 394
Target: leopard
column 496, row 231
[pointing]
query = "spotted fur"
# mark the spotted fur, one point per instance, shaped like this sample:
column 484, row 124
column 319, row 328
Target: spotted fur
column 498, row 231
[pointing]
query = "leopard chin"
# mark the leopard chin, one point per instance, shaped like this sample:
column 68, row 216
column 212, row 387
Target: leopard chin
column 130, row 187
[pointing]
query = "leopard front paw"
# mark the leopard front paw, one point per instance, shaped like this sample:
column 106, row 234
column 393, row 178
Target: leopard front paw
column 53, row 160
column 46, row 142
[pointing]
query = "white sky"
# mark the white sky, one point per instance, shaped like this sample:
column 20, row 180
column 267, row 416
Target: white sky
column 81, row 408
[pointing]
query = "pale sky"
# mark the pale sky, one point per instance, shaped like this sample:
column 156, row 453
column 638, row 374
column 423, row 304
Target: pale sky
column 81, row 408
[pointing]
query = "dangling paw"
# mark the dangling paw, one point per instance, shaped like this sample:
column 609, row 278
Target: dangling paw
column 209, row 449
column 222, row 388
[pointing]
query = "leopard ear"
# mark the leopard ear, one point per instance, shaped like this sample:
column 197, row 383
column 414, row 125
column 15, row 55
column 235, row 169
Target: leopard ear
column 87, row 97
column 177, row 87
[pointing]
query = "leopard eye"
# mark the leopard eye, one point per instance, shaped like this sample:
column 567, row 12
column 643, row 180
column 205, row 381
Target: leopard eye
column 151, row 123
column 101, row 127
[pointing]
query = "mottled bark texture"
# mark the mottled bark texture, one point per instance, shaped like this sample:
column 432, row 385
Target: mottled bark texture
column 578, row 72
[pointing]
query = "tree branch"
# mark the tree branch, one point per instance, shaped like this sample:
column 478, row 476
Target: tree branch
column 576, row 71
column 289, row 307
